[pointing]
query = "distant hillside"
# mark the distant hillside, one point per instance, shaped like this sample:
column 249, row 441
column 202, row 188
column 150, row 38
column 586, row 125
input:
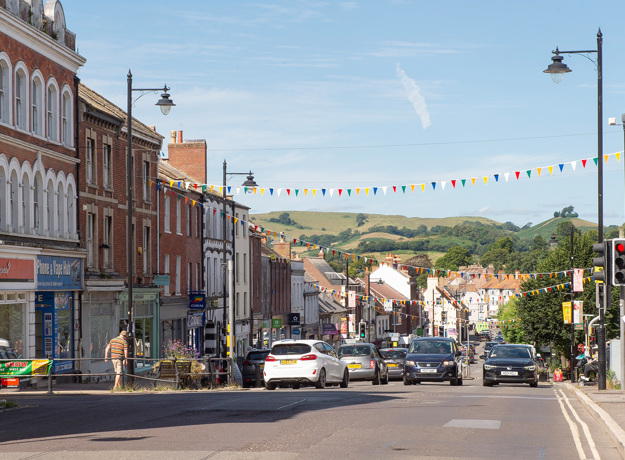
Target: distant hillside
column 547, row 228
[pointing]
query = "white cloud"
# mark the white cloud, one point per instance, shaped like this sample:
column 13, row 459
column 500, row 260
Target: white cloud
column 415, row 97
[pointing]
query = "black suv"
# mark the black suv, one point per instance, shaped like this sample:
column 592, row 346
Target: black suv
column 435, row 359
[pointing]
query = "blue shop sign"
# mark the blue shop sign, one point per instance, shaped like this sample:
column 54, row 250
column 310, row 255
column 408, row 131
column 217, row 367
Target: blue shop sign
column 197, row 300
column 59, row 273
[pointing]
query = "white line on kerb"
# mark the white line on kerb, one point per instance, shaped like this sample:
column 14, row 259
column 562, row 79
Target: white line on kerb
column 591, row 441
column 292, row 404
column 574, row 429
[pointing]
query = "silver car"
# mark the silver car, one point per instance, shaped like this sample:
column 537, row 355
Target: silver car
column 364, row 362
column 394, row 359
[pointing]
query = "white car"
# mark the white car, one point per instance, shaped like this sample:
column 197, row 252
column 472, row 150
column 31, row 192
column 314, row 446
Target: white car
column 304, row 362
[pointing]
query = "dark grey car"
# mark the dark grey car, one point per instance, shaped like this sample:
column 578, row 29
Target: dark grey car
column 364, row 362
column 248, row 370
column 394, row 359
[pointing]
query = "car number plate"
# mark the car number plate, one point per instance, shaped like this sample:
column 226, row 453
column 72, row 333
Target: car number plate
column 392, row 365
column 428, row 371
column 509, row 373
column 354, row 366
column 288, row 361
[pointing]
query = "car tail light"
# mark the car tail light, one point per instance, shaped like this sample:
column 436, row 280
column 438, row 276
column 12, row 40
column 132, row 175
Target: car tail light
column 310, row 357
column 270, row 358
column 246, row 363
column 372, row 364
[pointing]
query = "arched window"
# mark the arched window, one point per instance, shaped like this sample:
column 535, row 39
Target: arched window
column 38, row 205
column 15, row 202
column 21, row 99
column 71, row 212
column 52, row 113
column 66, row 119
column 50, row 226
column 26, row 204
column 5, row 91
column 3, row 200
column 37, row 112
column 60, row 211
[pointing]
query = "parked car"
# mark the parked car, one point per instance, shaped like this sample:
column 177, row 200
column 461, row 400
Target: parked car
column 394, row 359
column 304, row 362
column 252, row 359
column 434, row 359
column 510, row 363
column 485, row 335
column 364, row 362
column 487, row 348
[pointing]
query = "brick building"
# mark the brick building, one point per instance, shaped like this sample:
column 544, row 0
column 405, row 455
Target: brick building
column 41, row 262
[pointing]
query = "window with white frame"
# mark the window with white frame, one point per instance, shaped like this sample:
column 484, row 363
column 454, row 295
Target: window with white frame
column 167, row 215
column 50, row 227
column 107, row 241
column 5, row 92
column 26, row 204
column 21, row 99
column 178, row 268
column 15, row 202
column 90, row 239
column 178, row 216
column 107, row 165
column 189, row 220
column 166, row 272
column 147, row 250
column 66, row 119
column 52, row 112
column 91, row 159
column 146, row 180
column 38, row 205
column 245, row 269
column 60, row 209
column 37, row 106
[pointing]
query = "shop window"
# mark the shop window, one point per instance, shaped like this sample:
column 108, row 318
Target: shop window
column 102, row 328
column 12, row 325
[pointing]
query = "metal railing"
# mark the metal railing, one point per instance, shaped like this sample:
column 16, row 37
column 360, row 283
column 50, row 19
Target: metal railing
column 214, row 372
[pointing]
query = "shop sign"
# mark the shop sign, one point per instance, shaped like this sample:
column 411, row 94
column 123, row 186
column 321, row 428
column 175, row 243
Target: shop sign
column 197, row 301
column 17, row 271
column 295, row 331
column 329, row 329
column 195, row 320
column 276, row 323
column 59, row 273
column 294, row 319
column 25, row 367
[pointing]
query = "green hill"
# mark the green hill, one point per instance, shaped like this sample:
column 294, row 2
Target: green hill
column 547, row 228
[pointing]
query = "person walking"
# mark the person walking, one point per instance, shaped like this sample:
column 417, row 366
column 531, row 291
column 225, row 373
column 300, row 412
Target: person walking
column 119, row 349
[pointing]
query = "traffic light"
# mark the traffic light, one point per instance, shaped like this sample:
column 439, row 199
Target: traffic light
column 362, row 330
column 618, row 262
column 444, row 317
column 600, row 263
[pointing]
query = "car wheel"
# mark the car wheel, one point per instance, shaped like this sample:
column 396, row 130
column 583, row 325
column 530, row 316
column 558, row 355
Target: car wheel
column 416, row 382
column 407, row 382
column 487, row 384
column 459, row 381
column 345, row 380
column 321, row 383
column 376, row 378
column 246, row 385
column 534, row 385
column 295, row 386
column 270, row 386
column 384, row 381
column 453, row 382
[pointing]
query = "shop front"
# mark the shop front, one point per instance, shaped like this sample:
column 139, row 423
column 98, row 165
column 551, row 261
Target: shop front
column 146, row 319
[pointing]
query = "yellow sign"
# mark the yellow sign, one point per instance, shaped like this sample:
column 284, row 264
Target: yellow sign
column 566, row 312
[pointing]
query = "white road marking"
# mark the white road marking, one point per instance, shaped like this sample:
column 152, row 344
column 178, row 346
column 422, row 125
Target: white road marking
column 467, row 423
column 574, row 430
column 292, row 404
column 509, row 397
column 591, row 441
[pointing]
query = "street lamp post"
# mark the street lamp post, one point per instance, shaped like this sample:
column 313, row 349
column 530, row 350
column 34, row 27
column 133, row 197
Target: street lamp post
column 249, row 183
column 557, row 69
column 165, row 103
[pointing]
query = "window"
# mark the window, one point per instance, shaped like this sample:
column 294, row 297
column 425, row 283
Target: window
column 51, row 231
column 21, row 99
column 167, row 215
column 245, row 312
column 146, row 250
column 90, row 239
column 38, row 205
column 189, row 220
column 245, row 269
column 15, row 203
column 178, row 268
column 66, row 119
column 52, row 113
column 90, row 160
column 146, row 181
column 189, row 283
column 197, row 277
column 107, row 242
column 237, row 306
column 26, row 205
column 166, row 272
column 60, row 209
column 37, row 107
column 5, row 93
column 178, row 219
column 107, row 166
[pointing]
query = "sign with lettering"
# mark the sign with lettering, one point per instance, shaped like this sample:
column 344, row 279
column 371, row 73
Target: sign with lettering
column 25, row 367
column 59, row 273
column 276, row 323
column 195, row 320
column 197, row 301
column 17, row 271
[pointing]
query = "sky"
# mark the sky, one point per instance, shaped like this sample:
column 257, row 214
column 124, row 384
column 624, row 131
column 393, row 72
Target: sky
column 313, row 95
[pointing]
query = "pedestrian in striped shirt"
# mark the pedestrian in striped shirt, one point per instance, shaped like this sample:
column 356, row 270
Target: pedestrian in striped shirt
column 119, row 352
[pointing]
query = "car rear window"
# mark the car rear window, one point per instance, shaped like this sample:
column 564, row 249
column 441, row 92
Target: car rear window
column 290, row 349
column 258, row 355
column 393, row 354
column 354, row 350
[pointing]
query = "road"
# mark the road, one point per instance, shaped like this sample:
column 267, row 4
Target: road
column 363, row 421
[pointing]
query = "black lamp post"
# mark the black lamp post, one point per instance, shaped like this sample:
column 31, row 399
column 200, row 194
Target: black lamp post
column 165, row 104
column 249, row 183
column 557, row 69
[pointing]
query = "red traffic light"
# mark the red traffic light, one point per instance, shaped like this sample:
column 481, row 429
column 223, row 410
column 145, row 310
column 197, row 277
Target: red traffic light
column 620, row 247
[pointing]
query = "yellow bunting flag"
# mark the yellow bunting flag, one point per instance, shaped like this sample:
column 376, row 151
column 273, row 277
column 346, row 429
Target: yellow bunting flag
column 473, row 180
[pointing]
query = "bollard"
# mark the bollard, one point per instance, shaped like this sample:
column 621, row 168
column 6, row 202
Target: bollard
column 50, row 366
column 258, row 376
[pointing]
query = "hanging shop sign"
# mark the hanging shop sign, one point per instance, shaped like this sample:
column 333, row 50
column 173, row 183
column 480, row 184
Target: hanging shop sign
column 195, row 320
column 276, row 323
column 197, row 301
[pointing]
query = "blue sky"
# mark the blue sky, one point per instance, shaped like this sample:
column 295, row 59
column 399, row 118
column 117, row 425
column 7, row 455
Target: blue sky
column 356, row 94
